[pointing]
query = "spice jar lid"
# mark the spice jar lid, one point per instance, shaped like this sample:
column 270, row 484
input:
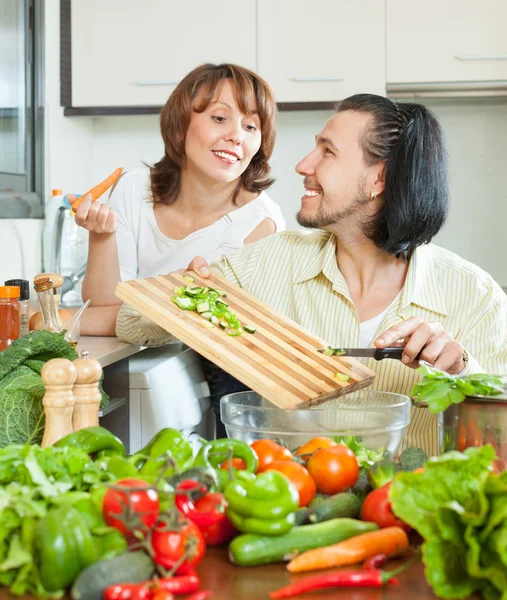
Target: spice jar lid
column 24, row 287
column 9, row 291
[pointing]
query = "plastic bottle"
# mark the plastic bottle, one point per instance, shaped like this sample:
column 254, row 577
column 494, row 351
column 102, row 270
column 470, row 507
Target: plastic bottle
column 9, row 315
column 50, row 210
column 24, row 303
column 74, row 254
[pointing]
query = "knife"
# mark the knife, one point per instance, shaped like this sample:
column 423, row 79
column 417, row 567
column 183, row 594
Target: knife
column 376, row 353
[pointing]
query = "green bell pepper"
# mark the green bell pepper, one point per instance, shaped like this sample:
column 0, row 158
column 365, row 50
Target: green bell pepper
column 214, row 453
column 64, row 547
column 166, row 442
column 266, row 506
column 94, row 440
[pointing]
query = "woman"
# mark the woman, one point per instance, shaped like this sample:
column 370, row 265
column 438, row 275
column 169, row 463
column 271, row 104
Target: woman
column 204, row 197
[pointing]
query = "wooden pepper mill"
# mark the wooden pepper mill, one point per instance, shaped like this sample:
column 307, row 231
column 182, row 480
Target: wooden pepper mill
column 86, row 392
column 58, row 376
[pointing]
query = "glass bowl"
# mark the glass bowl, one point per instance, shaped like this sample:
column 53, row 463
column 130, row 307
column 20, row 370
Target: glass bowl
column 378, row 418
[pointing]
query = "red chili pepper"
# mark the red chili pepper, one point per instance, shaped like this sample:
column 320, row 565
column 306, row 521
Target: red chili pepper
column 375, row 562
column 179, row 584
column 185, row 503
column 120, row 591
column 373, row 578
column 201, row 595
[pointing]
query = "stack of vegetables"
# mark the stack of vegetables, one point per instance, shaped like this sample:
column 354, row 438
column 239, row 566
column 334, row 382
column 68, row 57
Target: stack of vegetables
column 84, row 517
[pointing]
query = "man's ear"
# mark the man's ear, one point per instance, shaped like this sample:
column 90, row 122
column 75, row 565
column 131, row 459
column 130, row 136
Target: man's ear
column 380, row 180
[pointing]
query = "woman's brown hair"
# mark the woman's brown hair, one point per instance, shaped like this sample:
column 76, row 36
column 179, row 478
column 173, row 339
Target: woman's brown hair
column 253, row 95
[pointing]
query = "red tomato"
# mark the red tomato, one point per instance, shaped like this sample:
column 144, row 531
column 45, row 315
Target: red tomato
column 237, row 463
column 377, row 509
column 333, row 469
column 128, row 510
column 169, row 546
column 299, row 477
column 218, row 533
column 268, row 451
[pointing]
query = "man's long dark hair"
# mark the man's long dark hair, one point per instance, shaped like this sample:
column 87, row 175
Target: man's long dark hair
column 409, row 138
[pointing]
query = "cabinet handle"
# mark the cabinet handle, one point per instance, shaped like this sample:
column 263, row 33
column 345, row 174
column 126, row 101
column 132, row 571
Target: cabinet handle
column 473, row 57
column 147, row 83
column 315, row 79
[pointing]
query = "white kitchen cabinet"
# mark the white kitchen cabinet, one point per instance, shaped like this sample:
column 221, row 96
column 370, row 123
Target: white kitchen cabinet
column 322, row 50
column 131, row 53
column 450, row 41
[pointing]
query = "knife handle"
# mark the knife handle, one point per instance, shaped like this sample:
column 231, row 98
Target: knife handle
column 393, row 353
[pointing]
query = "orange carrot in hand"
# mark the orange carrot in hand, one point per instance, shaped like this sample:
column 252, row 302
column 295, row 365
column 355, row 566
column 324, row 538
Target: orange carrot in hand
column 390, row 541
column 97, row 191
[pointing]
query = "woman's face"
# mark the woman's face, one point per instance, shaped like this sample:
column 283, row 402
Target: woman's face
column 221, row 141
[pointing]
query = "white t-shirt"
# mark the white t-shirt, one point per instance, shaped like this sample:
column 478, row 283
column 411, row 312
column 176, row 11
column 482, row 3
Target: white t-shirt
column 144, row 251
column 368, row 329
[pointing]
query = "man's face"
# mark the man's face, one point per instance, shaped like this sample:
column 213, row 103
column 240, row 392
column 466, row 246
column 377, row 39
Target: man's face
column 337, row 183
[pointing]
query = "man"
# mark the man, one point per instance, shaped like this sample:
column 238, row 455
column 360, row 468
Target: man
column 376, row 185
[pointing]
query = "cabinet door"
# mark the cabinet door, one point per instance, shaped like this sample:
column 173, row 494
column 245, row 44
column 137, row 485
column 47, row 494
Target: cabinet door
column 455, row 40
column 321, row 50
column 131, row 53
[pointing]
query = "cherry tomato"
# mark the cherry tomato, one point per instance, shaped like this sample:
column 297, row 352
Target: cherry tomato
column 267, row 451
column 299, row 476
column 377, row 509
column 237, row 463
column 170, row 545
column 333, row 469
column 131, row 509
column 316, row 443
column 218, row 533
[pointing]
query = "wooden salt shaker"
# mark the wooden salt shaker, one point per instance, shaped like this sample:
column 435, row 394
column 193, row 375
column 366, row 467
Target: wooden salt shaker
column 86, row 392
column 58, row 376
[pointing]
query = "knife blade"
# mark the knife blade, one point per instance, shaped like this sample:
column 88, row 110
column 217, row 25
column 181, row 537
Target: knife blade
column 394, row 353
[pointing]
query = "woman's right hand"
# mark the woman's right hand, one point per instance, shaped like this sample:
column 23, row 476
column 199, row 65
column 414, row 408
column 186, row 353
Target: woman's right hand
column 200, row 266
column 94, row 216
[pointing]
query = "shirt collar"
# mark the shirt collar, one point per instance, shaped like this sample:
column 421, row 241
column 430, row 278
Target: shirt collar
column 321, row 258
column 422, row 287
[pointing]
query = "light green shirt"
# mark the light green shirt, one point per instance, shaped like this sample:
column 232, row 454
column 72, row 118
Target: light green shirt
column 297, row 274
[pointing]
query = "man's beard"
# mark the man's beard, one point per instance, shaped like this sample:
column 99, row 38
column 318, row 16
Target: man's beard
column 324, row 218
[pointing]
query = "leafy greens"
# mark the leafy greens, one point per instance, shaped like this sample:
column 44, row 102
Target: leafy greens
column 440, row 390
column 460, row 508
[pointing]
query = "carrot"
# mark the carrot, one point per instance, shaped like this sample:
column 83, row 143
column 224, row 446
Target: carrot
column 390, row 541
column 97, row 191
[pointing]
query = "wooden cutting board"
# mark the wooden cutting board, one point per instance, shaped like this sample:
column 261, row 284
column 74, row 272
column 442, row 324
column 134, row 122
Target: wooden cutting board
column 279, row 361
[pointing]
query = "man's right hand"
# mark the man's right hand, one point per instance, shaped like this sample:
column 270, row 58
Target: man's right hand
column 94, row 216
column 200, row 266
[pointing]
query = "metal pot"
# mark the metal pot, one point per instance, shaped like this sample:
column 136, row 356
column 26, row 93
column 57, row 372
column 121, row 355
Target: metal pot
column 474, row 422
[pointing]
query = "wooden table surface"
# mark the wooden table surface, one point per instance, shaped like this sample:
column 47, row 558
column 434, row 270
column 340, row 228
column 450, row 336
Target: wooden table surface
column 254, row 583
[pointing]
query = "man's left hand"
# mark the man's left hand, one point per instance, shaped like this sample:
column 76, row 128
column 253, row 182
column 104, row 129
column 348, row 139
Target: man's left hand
column 438, row 347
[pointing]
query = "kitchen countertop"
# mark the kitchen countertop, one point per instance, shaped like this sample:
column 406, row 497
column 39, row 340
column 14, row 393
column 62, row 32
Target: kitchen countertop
column 254, row 583
column 107, row 350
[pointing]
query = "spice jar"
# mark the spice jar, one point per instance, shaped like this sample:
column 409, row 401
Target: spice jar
column 9, row 315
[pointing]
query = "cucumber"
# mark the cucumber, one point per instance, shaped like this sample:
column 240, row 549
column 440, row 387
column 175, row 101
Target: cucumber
column 132, row 567
column 249, row 550
column 335, row 507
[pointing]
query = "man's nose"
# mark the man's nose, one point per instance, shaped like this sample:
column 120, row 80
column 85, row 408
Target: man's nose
column 306, row 166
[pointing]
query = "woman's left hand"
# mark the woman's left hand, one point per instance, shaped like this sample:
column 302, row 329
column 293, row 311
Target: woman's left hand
column 437, row 346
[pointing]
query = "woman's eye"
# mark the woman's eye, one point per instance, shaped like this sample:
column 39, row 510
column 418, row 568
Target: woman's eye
column 251, row 127
column 218, row 119
column 328, row 151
